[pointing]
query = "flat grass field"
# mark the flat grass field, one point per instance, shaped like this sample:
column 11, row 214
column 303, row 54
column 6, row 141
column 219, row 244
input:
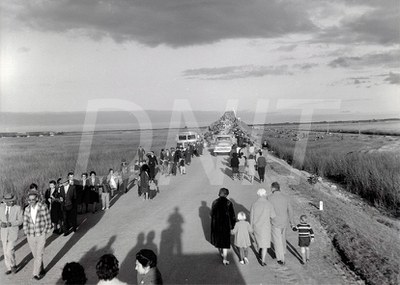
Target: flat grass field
column 27, row 160
column 367, row 165
column 383, row 127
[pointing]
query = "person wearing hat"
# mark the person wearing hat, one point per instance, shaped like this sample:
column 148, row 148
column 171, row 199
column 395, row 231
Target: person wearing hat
column 10, row 220
column 37, row 224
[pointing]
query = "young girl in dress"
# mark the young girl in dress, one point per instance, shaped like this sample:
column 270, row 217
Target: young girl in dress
column 242, row 232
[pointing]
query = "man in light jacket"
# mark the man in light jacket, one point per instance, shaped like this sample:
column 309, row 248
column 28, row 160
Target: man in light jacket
column 10, row 220
column 284, row 215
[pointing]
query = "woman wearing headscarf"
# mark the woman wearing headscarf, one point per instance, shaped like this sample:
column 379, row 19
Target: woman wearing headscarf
column 222, row 222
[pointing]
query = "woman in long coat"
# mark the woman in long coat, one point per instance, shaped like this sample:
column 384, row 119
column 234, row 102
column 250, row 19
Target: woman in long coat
column 261, row 214
column 144, row 181
column 152, row 163
column 222, row 222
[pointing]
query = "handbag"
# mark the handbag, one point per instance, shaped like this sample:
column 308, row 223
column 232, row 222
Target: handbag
column 152, row 186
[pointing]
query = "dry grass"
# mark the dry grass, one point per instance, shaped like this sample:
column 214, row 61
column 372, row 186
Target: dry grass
column 375, row 176
column 368, row 246
column 40, row 159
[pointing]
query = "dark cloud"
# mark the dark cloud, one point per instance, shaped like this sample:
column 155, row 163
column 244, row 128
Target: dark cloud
column 235, row 72
column 384, row 59
column 393, row 78
column 171, row 22
column 359, row 80
column 380, row 25
column 305, row 66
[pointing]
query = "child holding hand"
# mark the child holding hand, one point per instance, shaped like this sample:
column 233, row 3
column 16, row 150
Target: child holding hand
column 242, row 232
column 306, row 236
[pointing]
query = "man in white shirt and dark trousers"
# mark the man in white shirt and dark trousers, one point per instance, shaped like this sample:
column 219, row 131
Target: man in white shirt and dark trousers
column 69, row 206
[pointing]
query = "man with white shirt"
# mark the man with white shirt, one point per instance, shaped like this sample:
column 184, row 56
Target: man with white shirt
column 37, row 225
column 10, row 220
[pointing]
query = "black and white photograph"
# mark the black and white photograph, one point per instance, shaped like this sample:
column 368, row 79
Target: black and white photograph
column 200, row 142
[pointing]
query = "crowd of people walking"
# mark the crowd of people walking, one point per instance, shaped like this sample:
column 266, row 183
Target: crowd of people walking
column 245, row 161
column 169, row 163
column 56, row 209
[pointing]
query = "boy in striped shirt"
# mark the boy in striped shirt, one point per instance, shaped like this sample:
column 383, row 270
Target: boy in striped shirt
column 306, row 235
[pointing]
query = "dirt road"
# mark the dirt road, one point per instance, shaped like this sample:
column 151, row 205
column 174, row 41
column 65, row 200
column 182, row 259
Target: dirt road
column 176, row 225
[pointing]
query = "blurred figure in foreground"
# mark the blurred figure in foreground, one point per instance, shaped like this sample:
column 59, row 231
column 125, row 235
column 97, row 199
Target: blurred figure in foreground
column 146, row 267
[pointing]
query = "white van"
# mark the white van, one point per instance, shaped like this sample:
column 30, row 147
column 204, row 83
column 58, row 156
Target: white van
column 185, row 138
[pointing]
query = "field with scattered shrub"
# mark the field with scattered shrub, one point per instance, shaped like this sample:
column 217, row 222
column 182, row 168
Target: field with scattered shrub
column 365, row 165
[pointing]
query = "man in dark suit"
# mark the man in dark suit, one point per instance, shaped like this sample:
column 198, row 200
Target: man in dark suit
column 68, row 195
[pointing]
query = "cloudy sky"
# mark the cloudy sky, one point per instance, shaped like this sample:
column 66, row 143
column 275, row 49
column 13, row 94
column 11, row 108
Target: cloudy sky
column 254, row 55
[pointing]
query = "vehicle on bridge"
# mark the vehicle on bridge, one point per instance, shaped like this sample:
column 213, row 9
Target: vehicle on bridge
column 223, row 144
column 185, row 138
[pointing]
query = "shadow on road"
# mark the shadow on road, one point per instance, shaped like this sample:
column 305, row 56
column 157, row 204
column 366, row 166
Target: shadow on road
column 90, row 259
column 150, row 242
column 227, row 171
column 179, row 268
column 240, row 208
column 127, row 271
column 171, row 243
column 294, row 251
column 89, row 221
column 205, row 217
column 22, row 241
column 29, row 257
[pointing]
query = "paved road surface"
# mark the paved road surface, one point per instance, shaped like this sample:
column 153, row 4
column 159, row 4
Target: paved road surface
column 176, row 225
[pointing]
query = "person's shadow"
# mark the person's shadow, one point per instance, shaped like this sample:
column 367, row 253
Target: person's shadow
column 29, row 257
column 227, row 171
column 171, row 243
column 90, row 259
column 227, row 162
column 127, row 271
column 88, row 223
column 240, row 208
column 150, row 242
column 205, row 217
column 293, row 251
column 199, row 268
